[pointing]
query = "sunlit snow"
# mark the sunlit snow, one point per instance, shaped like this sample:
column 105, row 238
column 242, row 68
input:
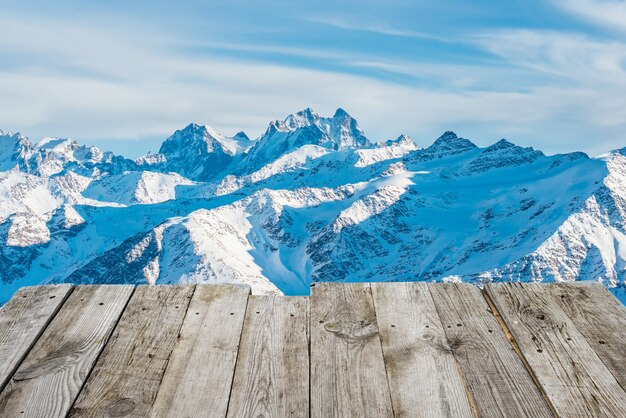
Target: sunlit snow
column 312, row 199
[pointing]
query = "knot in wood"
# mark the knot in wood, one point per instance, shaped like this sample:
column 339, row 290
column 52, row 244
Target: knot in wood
column 450, row 344
column 542, row 319
column 353, row 330
column 120, row 407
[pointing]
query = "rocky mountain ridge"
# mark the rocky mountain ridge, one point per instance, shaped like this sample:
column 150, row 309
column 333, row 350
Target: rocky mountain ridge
column 312, row 199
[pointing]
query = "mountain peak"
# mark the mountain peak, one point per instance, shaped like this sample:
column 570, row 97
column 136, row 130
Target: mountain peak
column 447, row 136
column 197, row 152
column 504, row 146
column 16, row 139
column 403, row 141
column 241, row 135
column 301, row 119
column 15, row 149
column 503, row 154
column 193, row 128
column 306, row 127
column 450, row 143
column 14, row 135
column 341, row 114
column 501, row 144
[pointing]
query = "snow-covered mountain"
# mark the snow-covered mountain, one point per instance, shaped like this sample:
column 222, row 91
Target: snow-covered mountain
column 312, row 199
column 197, row 152
column 341, row 132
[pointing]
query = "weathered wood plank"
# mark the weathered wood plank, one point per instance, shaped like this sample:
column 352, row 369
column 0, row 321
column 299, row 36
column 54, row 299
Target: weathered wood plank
column 572, row 375
column 22, row 320
column 50, row 377
column 599, row 317
column 200, row 371
column 127, row 376
column 423, row 375
column 272, row 374
column 494, row 375
column 347, row 368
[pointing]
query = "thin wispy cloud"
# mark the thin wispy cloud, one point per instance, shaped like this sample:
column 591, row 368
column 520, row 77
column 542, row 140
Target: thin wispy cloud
column 263, row 48
column 605, row 13
column 375, row 27
column 569, row 55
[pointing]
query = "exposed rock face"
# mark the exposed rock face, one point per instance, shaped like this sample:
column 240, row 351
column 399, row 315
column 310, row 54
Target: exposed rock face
column 340, row 132
column 200, row 152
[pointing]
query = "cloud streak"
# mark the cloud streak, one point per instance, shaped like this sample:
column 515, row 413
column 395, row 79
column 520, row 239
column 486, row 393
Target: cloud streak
column 572, row 56
column 379, row 28
column 605, row 13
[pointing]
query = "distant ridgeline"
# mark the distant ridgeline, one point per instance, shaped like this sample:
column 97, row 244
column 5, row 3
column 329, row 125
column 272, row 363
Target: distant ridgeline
column 312, row 199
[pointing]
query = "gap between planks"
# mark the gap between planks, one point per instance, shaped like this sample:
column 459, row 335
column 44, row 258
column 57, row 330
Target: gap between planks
column 20, row 316
column 53, row 373
column 517, row 349
column 413, row 344
column 126, row 379
column 574, row 376
column 204, row 357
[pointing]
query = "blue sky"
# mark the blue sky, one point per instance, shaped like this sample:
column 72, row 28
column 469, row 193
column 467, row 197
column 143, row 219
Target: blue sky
column 124, row 75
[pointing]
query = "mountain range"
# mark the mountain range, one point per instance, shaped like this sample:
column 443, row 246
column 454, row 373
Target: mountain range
column 312, row 199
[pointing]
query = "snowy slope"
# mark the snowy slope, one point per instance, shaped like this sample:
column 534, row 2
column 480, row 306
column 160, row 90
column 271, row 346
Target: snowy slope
column 312, row 199
column 136, row 187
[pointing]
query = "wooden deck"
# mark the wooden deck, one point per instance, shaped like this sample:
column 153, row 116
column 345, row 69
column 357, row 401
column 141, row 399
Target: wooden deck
column 350, row 350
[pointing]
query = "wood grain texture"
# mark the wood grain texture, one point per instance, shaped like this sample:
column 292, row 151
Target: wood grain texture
column 51, row 376
column 200, row 371
column 22, row 320
column 127, row 376
column 347, row 369
column 494, row 375
column 599, row 317
column 385, row 349
column 572, row 375
column 423, row 375
column 272, row 375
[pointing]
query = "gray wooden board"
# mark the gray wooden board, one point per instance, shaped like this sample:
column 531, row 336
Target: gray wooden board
column 371, row 351
column 347, row 368
column 494, row 375
column 127, row 376
column 600, row 318
column 423, row 375
column 272, row 374
column 22, row 320
column 200, row 371
column 51, row 376
column 572, row 375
